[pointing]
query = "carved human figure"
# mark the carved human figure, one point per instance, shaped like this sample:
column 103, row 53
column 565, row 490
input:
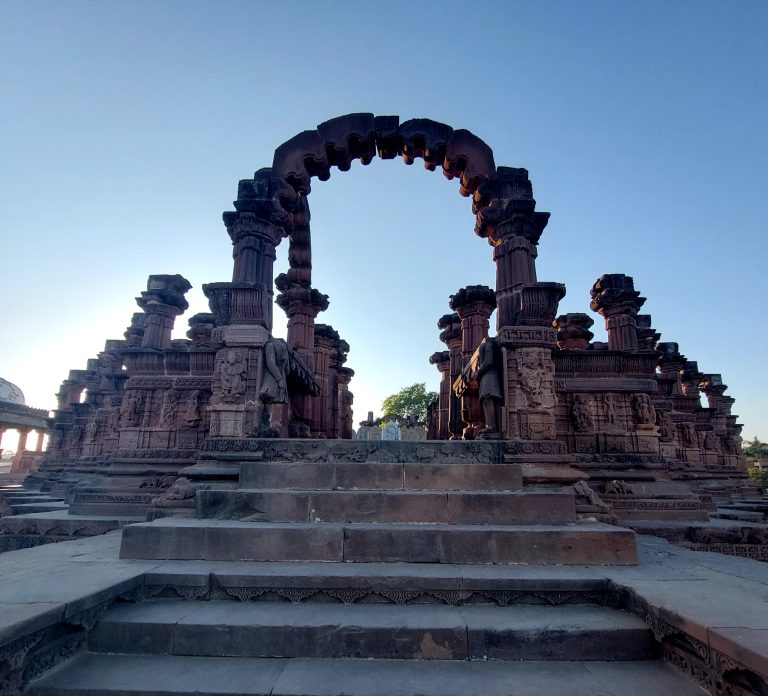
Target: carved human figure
column 132, row 409
column 233, row 372
column 489, row 385
column 77, row 434
column 92, row 429
column 618, row 488
column 666, row 426
column 644, row 410
column 690, row 438
column 274, row 388
column 532, row 374
column 609, row 406
column 581, row 413
column 168, row 410
column 192, row 410
column 710, row 441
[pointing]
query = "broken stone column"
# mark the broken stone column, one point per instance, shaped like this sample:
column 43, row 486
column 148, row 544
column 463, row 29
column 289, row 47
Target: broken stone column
column 344, row 376
column 573, row 331
column 301, row 304
column 614, row 297
column 442, row 360
column 450, row 334
column 326, row 339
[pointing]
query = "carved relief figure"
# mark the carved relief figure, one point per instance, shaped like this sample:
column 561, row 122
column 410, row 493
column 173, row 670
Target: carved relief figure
column 92, row 429
column 489, row 386
column 609, row 406
column 77, row 434
column 585, row 495
column 710, row 441
column 192, row 411
column 644, row 410
column 532, row 374
column 132, row 410
column 581, row 413
column 690, row 438
column 666, row 426
column 233, row 371
column 168, row 410
column 618, row 488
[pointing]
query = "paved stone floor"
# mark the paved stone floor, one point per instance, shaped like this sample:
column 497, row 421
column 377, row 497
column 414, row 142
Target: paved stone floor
column 718, row 600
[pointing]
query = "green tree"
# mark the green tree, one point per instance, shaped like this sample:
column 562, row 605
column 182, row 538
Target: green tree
column 408, row 400
column 756, row 449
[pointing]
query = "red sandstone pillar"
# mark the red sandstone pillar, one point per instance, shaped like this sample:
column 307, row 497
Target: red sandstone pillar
column 451, row 336
column 573, row 331
column 162, row 302
column 23, row 434
column 442, row 360
column 474, row 305
column 325, row 342
column 39, row 444
column 615, row 298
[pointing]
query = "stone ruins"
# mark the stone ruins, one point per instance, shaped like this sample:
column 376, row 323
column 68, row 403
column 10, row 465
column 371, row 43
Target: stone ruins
column 539, row 392
column 544, row 448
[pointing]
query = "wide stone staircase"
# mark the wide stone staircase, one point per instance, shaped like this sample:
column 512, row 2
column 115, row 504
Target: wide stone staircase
column 373, row 572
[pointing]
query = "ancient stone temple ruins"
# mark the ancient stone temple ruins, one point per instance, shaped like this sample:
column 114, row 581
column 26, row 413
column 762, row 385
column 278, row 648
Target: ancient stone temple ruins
column 539, row 393
column 234, row 449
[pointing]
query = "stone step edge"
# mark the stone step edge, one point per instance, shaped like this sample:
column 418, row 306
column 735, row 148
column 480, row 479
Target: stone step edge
column 423, row 631
column 104, row 674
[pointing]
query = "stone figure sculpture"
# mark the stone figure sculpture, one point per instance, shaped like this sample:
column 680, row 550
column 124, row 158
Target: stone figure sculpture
column 609, row 406
column 581, row 413
column 644, row 410
column 168, row 410
column 489, row 386
column 192, row 410
column 532, row 374
column 690, row 438
column 132, row 410
column 233, row 373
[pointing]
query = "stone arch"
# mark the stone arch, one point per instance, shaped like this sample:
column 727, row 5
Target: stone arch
column 340, row 141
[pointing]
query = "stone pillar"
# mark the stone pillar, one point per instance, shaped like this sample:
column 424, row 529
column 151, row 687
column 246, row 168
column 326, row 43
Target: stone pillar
column 647, row 336
column 474, row 305
column 202, row 352
column 671, row 364
column 134, row 334
column 243, row 387
column 450, row 334
column 573, row 331
column 506, row 216
column 442, row 360
column 39, row 444
column 346, row 398
column 23, row 435
column 301, row 304
column 615, row 298
column 326, row 339
column 162, row 302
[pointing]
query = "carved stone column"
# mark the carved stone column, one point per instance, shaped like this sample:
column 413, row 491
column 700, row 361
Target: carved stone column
column 573, row 331
column 474, row 305
column 162, row 302
column 647, row 336
column 326, row 340
column 442, row 360
column 615, row 298
column 23, row 435
column 301, row 304
column 243, row 383
column 202, row 352
column 506, row 216
column 450, row 334
column 346, row 398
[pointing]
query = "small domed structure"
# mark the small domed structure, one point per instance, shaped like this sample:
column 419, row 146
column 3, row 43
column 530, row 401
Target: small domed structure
column 10, row 393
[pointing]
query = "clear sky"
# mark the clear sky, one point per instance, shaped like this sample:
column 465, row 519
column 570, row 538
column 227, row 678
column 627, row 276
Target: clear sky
column 125, row 127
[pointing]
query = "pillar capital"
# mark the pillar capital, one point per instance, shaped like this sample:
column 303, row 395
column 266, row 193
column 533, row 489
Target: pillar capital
column 162, row 302
column 615, row 298
column 450, row 330
column 297, row 298
column 573, row 331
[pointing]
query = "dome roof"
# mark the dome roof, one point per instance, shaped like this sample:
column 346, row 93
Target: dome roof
column 9, row 392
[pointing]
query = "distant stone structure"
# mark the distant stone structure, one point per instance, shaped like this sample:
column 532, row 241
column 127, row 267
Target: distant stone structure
column 16, row 415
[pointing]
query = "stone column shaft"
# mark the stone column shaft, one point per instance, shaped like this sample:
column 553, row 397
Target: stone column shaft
column 39, row 445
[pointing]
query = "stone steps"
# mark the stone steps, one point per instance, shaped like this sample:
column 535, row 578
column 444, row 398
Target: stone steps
column 169, row 675
column 24, row 508
column 346, row 475
column 225, row 540
column 445, row 507
column 220, row 628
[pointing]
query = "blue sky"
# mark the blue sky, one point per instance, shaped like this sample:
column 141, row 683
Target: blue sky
column 126, row 126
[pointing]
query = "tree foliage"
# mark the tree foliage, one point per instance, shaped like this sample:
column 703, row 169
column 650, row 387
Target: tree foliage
column 408, row 400
column 756, row 449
